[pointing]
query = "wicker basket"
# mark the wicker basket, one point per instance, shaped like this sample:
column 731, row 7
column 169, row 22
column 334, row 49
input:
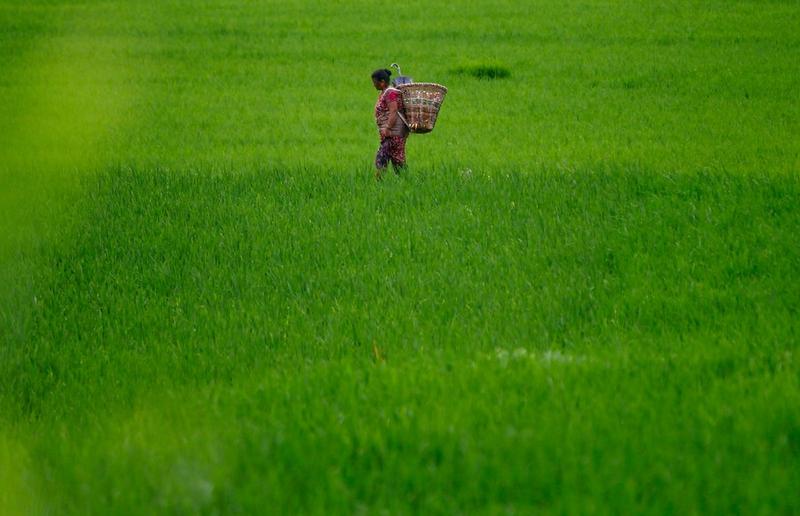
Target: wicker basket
column 421, row 102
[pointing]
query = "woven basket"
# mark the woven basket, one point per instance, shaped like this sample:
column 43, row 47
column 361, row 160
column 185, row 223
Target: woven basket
column 421, row 103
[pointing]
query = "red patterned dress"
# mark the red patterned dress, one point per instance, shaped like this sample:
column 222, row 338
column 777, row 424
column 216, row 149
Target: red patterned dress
column 393, row 147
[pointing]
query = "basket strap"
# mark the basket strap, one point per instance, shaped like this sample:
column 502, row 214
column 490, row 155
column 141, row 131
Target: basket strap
column 390, row 88
column 403, row 118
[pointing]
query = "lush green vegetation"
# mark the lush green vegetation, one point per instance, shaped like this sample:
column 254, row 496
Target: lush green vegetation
column 582, row 297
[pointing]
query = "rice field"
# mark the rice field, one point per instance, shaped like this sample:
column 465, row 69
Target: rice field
column 582, row 297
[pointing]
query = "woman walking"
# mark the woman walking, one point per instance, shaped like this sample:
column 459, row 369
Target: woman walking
column 393, row 130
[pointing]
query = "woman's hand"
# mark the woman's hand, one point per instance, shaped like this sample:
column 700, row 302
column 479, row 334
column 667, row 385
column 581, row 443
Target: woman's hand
column 384, row 132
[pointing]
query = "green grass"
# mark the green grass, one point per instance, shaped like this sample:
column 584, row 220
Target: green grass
column 483, row 71
column 582, row 297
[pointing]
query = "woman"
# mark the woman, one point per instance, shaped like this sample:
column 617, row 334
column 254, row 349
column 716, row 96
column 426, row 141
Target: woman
column 392, row 129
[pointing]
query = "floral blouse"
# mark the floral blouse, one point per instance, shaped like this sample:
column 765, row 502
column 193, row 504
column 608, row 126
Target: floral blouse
column 382, row 111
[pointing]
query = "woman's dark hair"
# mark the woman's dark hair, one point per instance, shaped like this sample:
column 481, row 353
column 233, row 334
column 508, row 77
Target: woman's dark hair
column 382, row 75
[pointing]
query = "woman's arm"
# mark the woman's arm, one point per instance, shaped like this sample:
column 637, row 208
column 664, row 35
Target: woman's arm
column 392, row 118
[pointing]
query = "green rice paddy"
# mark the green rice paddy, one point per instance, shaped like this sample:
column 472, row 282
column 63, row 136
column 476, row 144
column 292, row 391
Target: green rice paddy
column 581, row 297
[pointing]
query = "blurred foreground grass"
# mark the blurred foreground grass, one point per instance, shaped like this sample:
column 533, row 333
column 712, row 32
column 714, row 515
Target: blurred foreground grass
column 571, row 341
